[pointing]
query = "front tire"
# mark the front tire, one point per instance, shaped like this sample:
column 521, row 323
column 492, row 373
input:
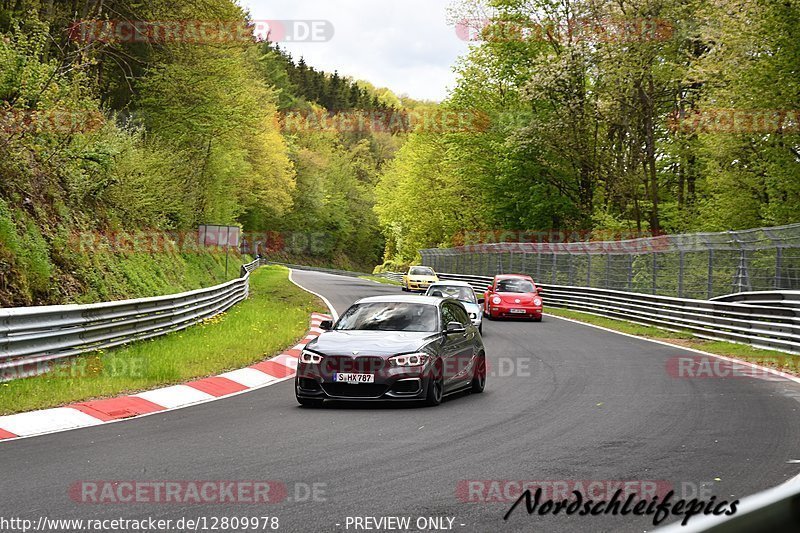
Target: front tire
column 435, row 392
column 310, row 403
column 479, row 375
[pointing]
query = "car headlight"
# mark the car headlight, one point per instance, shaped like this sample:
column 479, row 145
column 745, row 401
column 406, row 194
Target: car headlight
column 537, row 302
column 497, row 300
column 310, row 358
column 412, row 359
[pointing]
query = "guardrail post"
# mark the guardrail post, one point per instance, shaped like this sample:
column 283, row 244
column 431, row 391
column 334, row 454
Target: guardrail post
column 555, row 268
column 742, row 280
column 608, row 270
column 778, row 267
column 680, row 274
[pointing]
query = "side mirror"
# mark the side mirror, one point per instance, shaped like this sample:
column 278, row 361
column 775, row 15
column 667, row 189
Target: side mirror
column 326, row 325
column 455, row 327
column 539, row 290
column 481, row 301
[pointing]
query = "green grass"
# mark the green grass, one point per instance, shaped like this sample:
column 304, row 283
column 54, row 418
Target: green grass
column 275, row 317
column 770, row 358
column 385, row 281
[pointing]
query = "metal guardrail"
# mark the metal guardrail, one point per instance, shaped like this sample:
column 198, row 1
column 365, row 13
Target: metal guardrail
column 762, row 325
column 348, row 273
column 698, row 265
column 32, row 339
column 776, row 509
column 780, row 298
column 394, row 276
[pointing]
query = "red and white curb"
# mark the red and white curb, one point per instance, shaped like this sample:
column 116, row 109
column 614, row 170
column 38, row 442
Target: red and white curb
column 96, row 412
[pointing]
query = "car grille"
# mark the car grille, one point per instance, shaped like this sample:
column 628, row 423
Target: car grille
column 346, row 390
column 363, row 365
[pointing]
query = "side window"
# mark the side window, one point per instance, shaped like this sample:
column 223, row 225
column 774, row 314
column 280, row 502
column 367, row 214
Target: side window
column 461, row 316
column 448, row 315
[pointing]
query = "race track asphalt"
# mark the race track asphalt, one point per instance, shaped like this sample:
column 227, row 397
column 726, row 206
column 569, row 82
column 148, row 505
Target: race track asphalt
column 564, row 402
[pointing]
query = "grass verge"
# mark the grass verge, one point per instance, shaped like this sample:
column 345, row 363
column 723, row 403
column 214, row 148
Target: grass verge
column 276, row 316
column 777, row 360
column 385, row 281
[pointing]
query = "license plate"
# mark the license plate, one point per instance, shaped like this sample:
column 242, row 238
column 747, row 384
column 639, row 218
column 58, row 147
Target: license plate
column 518, row 311
column 353, row 378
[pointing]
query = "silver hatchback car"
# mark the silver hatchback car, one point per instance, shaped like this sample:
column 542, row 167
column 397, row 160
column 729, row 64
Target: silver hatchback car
column 463, row 292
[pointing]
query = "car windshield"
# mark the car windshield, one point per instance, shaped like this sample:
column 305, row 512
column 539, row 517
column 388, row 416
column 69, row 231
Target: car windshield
column 389, row 316
column 514, row 285
column 421, row 271
column 464, row 294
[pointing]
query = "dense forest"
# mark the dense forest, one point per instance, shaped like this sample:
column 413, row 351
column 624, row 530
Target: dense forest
column 635, row 116
column 640, row 116
column 102, row 136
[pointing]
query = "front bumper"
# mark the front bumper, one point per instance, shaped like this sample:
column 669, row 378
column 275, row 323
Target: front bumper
column 502, row 311
column 391, row 383
column 420, row 286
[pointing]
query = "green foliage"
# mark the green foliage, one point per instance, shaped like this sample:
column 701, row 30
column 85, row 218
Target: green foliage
column 164, row 136
column 584, row 130
column 301, row 84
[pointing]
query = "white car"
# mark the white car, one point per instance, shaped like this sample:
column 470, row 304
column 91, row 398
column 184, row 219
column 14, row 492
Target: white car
column 463, row 292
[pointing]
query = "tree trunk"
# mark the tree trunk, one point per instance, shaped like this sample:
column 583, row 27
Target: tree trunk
column 647, row 101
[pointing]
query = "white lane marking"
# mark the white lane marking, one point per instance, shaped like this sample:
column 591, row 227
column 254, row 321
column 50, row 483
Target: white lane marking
column 792, row 481
column 249, row 377
column 778, row 373
column 47, row 420
column 321, row 297
column 175, row 396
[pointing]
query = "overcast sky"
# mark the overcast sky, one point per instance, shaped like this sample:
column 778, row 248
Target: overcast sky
column 406, row 45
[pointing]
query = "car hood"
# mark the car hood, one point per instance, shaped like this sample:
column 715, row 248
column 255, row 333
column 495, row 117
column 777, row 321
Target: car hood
column 369, row 342
column 471, row 307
